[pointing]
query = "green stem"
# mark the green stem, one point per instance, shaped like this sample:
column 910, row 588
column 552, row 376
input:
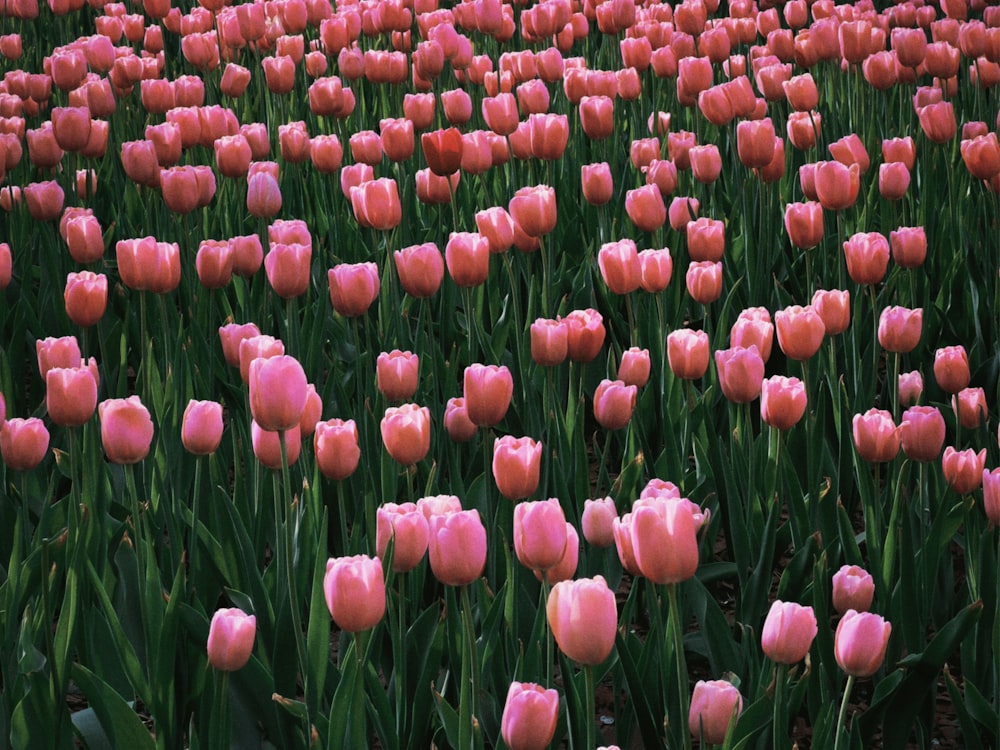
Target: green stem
column 780, row 723
column 289, row 559
column 843, row 711
column 677, row 637
column 220, row 724
column 588, row 706
column 193, row 543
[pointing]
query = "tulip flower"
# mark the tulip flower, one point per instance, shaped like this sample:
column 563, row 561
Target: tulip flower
column 860, row 643
column 583, row 617
column 529, row 716
column 335, row 443
column 23, row 443
column 406, row 433
column 714, row 706
column 963, row 470
column 970, row 406
column 598, row 521
column 911, row 386
column 126, row 429
column 951, row 368
column 487, row 391
column 456, row 421
column 442, row 150
column 834, row 307
column 634, row 367
column 539, row 534
column 867, row 255
column 782, row 401
column 645, row 208
column 788, row 632
column 921, row 433
column 687, row 353
column 353, row 287
column 614, row 403
column 585, row 334
column 664, row 535
column 741, row 373
column 354, row 588
column 597, row 183
column 516, row 466
column 619, row 266
column 457, row 547
column 420, row 269
column 899, row 329
column 408, row 530
column 534, row 209
column 201, row 427
column 230, row 639
column 70, row 395
column 991, row 491
column 800, row 331
column 396, row 374
column 467, row 256
column 376, row 204
column 853, row 588
column 837, row 185
column 277, row 392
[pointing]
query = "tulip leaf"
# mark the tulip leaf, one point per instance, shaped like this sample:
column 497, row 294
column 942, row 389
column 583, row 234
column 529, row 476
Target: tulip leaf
column 118, row 721
column 970, row 732
column 449, row 719
column 379, row 710
column 318, row 630
column 754, row 719
column 899, row 708
column 426, row 639
column 638, row 691
column 980, row 709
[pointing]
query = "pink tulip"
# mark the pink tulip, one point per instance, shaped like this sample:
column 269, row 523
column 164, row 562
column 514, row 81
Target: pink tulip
column 529, row 716
column 714, row 706
column 860, row 643
column 277, row 392
column 788, row 632
column 539, row 533
column 457, row 547
column 853, row 588
column 355, row 592
column 583, row 617
column 230, row 639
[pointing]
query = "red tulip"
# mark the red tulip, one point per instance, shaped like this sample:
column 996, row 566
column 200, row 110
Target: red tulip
column 442, row 150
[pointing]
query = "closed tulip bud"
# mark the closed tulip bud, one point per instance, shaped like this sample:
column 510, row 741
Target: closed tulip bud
column 457, row 546
column 860, row 643
column 70, row 395
column 655, row 269
column 85, row 297
column 803, row 129
column 850, row 150
column 922, row 433
column 876, row 437
column 467, row 256
column 900, row 150
column 287, row 267
column 706, row 163
column 534, row 209
column 252, row 347
column 619, row 265
column 834, row 307
column 909, row 246
column 230, row 336
column 406, row 433
column 277, row 392
column 529, row 716
column 664, row 535
column 126, row 429
column 755, row 142
column 397, row 139
column 500, row 113
column 951, row 368
column 598, row 185
column 497, row 225
column 867, row 255
column 938, row 121
column 687, row 353
column 991, row 489
column 549, row 342
column 420, row 269
column 706, row 239
column 645, row 208
column 354, row 588
column 899, row 329
column 366, row 147
column 614, row 403
column 456, row 421
column 598, row 521
column 51, row 352
column 45, row 200
column 335, row 443
column 704, row 281
column 539, row 533
column 982, row 156
column 23, row 443
column 408, row 530
column 853, row 588
column 201, row 428
column 782, row 402
column 442, row 150
column 597, row 116
column 353, row 287
column 970, row 406
column 837, row 185
column 804, row 224
column 788, row 632
column 800, row 331
column 893, row 180
column 963, row 470
column 311, row 413
column 911, row 386
column 585, row 334
column 753, row 327
column 516, row 466
column 634, row 367
column 714, row 706
column 263, row 195
column 267, row 445
column 801, row 92
column 230, row 639
column 396, row 374
column 487, row 391
column 6, row 265
column 376, row 204
column 741, row 373
column 682, row 211
column 583, row 617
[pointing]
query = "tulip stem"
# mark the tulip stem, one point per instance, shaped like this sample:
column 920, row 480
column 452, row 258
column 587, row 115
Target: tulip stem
column 470, row 676
column 843, row 711
column 780, row 722
column 193, row 543
column 589, row 707
column 677, row 637
column 220, row 725
column 286, row 542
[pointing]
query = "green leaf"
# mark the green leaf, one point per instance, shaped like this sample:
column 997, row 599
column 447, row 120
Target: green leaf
column 637, row 692
column 120, row 723
column 752, row 722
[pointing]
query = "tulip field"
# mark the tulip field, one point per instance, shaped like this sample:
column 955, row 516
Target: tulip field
column 414, row 374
